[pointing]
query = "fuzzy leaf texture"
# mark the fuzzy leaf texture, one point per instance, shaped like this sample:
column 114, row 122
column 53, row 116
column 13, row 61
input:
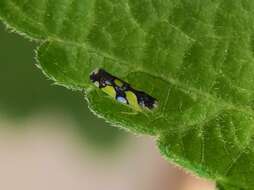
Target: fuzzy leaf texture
column 195, row 56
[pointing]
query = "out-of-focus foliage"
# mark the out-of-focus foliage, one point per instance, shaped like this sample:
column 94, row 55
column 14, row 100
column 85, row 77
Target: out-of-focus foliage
column 25, row 91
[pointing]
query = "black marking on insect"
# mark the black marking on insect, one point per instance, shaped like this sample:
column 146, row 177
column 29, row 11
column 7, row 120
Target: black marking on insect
column 122, row 91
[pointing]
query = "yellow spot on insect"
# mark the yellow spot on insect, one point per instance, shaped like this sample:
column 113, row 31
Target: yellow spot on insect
column 97, row 84
column 109, row 90
column 118, row 83
column 132, row 99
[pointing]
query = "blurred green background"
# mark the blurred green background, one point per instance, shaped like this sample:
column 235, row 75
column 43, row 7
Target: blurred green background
column 24, row 91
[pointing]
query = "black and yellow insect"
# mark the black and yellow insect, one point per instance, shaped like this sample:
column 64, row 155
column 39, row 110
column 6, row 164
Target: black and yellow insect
column 122, row 91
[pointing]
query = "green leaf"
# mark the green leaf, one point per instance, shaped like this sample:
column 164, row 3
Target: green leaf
column 195, row 57
column 24, row 95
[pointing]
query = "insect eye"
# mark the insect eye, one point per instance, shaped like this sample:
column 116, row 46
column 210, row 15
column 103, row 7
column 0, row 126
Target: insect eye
column 96, row 83
column 107, row 82
column 102, row 82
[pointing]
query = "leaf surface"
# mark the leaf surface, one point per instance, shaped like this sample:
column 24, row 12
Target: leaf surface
column 195, row 57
